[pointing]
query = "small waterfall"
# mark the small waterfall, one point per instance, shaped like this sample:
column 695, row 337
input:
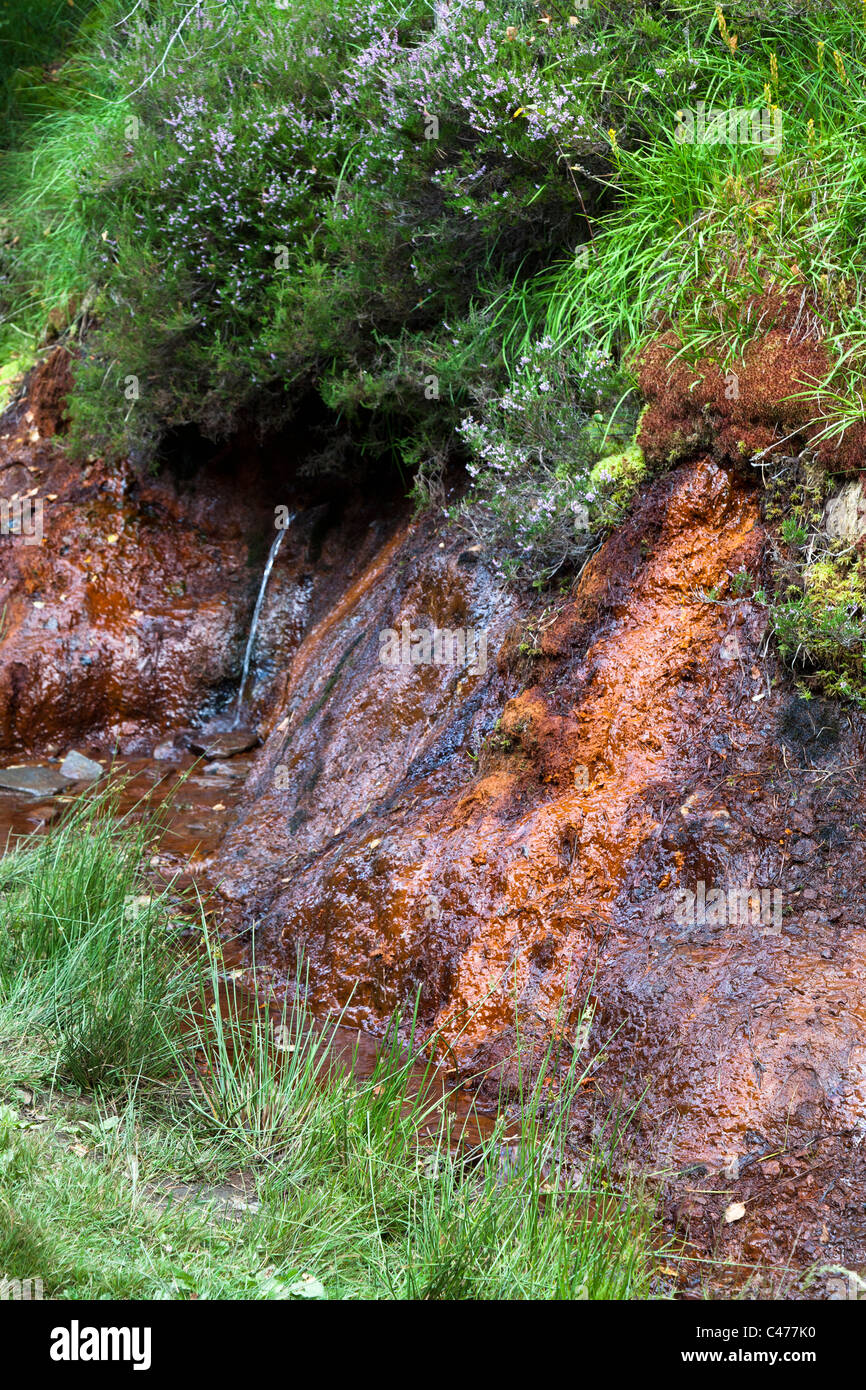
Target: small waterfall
column 272, row 555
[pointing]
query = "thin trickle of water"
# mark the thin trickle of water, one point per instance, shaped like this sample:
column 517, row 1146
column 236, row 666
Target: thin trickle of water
column 272, row 555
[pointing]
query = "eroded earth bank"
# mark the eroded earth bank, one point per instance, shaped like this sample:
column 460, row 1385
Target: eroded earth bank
column 513, row 843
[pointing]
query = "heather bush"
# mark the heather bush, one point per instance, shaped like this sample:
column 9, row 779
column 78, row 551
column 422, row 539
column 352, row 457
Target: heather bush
column 536, row 500
column 328, row 195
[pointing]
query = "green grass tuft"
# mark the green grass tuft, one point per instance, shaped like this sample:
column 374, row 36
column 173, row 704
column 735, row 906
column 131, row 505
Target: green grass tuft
column 88, row 961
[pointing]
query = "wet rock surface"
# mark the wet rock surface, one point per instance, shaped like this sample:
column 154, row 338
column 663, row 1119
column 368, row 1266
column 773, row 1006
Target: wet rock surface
column 126, row 598
column 224, row 745
column 78, row 768
column 36, row 781
column 514, row 844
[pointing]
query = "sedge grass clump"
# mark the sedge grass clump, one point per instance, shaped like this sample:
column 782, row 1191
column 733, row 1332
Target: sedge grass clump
column 259, row 1075
column 404, row 1204
column 34, row 36
column 738, row 179
column 89, row 961
column 371, row 1187
column 526, row 1214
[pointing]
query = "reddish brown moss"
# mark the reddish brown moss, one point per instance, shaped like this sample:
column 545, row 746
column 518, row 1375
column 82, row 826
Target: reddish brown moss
column 769, row 396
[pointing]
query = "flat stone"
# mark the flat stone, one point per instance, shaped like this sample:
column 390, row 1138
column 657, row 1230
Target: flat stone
column 77, row 768
column 225, row 745
column 33, row 781
column 222, row 770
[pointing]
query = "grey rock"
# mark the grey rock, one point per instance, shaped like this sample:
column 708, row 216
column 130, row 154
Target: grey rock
column 33, row 781
column 165, row 752
column 77, row 768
